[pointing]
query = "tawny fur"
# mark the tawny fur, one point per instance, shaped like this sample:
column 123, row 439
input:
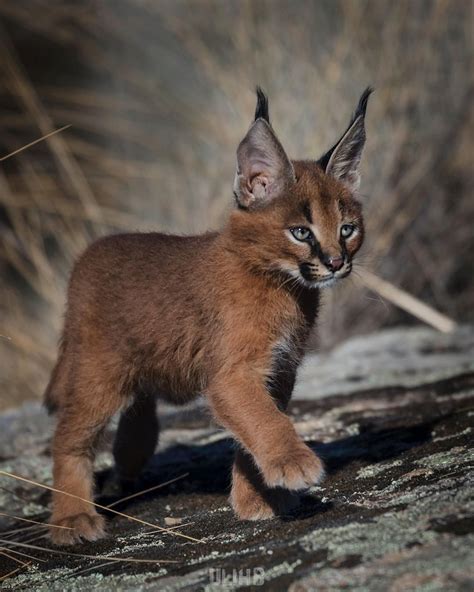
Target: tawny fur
column 224, row 315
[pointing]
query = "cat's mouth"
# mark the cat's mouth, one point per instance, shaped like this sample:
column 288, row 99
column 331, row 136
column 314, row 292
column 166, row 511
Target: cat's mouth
column 312, row 279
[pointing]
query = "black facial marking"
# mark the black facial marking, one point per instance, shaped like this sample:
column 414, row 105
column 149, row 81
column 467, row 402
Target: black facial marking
column 316, row 250
column 342, row 242
column 305, row 270
column 307, row 212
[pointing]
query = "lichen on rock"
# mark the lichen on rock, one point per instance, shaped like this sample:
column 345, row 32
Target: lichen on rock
column 396, row 511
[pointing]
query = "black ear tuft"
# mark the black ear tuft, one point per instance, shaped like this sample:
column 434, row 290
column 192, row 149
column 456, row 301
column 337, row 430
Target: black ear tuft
column 360, row 111
column 261, row 110
column 362, row 106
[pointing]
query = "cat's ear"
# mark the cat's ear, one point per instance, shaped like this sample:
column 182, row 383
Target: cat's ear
column 264, row 170
column 342, row 161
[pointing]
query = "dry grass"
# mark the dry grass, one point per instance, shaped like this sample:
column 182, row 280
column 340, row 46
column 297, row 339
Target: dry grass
column 33, row 521
column 13, row 544
column 30, row 144
column 84, row 555
column 101, row 507
column 14, row 571
column 159, row 94
column 148, row 490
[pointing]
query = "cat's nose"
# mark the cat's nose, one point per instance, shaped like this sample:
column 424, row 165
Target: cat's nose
column 334, row 263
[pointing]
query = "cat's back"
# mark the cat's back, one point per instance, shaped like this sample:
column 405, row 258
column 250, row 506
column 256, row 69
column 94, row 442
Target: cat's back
column 151, row 253
column 153, row 248
column 135, row 267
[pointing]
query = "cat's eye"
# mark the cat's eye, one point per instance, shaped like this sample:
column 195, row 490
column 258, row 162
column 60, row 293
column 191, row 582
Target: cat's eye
column 301, row 233
column 347, row 230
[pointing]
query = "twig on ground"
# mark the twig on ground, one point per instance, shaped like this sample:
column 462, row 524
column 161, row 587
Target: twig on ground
column 22, row 554
column 133, row 518
column 22, row 530
column 129, row 497
column 5, row 554
column 86, row 556
column 11, row 573
column 45, row 524
column 92, row 567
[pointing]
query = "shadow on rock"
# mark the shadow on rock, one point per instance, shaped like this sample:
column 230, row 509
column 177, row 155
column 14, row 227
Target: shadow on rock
column 208, row 466
column 372, row 445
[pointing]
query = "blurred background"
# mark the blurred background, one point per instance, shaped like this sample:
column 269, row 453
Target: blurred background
column 158, row 94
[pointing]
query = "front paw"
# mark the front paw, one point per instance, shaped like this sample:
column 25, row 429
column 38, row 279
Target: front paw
column 297, row 468
column 250, row 504
column 77, row 528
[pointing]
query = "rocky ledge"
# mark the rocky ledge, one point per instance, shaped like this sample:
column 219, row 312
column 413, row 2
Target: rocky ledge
column 392, row 416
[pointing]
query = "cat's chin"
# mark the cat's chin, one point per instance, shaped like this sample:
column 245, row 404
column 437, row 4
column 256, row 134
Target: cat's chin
column 317, row 284
column 326, row 282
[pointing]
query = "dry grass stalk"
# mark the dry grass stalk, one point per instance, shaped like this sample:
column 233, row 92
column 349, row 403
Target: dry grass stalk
column 155, row 487
column 95, row 568
column 45, row 524
column 407, row 302
column 84, row 555
column 132, row 518
column 35, row 538
column 23, row 554
column 27, row 94
column 5, row 554
column 175, row 527
column 13, row 572
column 26, row 146
column 22, row 530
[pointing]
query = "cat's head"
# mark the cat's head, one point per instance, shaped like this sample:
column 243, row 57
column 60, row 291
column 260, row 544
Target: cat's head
column 299, row 219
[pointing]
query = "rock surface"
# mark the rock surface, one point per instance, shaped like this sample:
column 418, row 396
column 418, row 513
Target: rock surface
column 392, row 416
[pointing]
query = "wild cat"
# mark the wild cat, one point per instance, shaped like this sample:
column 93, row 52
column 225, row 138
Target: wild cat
column 224, row 314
